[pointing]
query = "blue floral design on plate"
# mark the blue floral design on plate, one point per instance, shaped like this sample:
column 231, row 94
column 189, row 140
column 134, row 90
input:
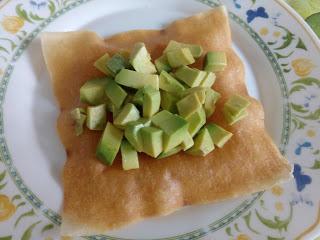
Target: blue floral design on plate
column 298, row 150
column 260, row 12
column 301, row 179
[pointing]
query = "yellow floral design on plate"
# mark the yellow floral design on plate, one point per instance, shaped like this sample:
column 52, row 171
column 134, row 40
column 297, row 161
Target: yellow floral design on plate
column 311, row 133
column 264, row 31
column 12, row 24
column 7, row 209
column 276, row 34
column 277, row 190
column 278, row 206
column 302, row 66
column 243, row 237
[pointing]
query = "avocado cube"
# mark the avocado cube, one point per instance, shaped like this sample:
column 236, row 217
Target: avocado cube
column 162, row 64
column 235, row 108
column 169, row 83
column 152, row 141
column 129, row 156
column 132, row 133
column 138, row 97
column 92, row 92
column 199, row 91
column 203, row 144
column 170, row 152
column 115, row 93
column 116, row 63
column 174, row 127
column 215, row 61
column 196, row 121
column 188, row 105
column 96, row 117
column 140, row 59
column 208, row 80
column 151, row 101
column 127, row 114
column 187, row 142
column 168, row 102
column 191, row 76
column 209, row 104
column 137, row 80
column 180, row 57
column 79, row 116
column 109, row 144
column 231, row 118
column 101, row 64
column 196, row 50
column 218, row 135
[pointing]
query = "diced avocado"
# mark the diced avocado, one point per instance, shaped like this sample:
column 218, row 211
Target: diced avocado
column 187, row 142
column 140, row 59
column 92, row 92
column 145, row 121
column 203, row 144
column 218, row 135
column 132, row 133
column 196, row 120
column 215, row 61
column 109, row 144
column 79, row 116
column 152, row 140
column 127, row 114
column 196, row 50
column 101, row 64
column 208, row 80
column 169, row 83
column 138, row 97
column 129, row 156
column 209, row 104
column 116, row 63
column 170, row 152
column 115, row 93
column 235, row 108
column 188, row 105
column 180, row 57
column 174, row 127
column 151, row 101
column 191, row 76
column 162, row 64
column 168, row 102
column 137, row 80
column 199, row 91
column 96, row 117
column 128, row 99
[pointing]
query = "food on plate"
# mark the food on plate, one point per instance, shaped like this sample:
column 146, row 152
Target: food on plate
column 169, row 123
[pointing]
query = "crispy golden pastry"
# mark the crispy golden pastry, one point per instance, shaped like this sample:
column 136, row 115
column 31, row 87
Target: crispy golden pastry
column 99, row 198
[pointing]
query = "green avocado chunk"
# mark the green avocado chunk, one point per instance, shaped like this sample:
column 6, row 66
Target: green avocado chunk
column 169, row 101
column 132, row 133
column 96, row 117
column 187, row 142
column 203, row 144
column 215, row 61
column 151, row 101
column 191, row 76
column 170, row 152
column 109, row 144
column 101, row 64
column 196, row 50
column 188, row 105
column 174, row 127
column 162, row 64
column 209, row 104
column 169, row 83
column 199, row 91
column 235, row 108
column 208, row 80
column 196, row 120
column 152, row 141
column 127, row 114
column 115, row 93
column 79, row 116
column 180, row 57
column 218, row 135
column 138, row 97
column 129, row 156
column 116, row 63
column 140, row 59
column 93, row 91
column 137, row 80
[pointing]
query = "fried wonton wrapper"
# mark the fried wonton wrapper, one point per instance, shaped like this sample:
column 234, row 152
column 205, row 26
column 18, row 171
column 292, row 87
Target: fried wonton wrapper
column 99, row 198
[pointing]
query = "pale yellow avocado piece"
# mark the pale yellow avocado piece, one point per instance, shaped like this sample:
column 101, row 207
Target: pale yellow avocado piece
column 140, row 59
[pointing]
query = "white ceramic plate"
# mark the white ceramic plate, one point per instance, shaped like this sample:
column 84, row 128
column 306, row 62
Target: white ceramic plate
column 281, row 56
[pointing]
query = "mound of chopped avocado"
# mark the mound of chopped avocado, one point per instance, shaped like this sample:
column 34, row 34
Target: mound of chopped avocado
column 159, row 107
